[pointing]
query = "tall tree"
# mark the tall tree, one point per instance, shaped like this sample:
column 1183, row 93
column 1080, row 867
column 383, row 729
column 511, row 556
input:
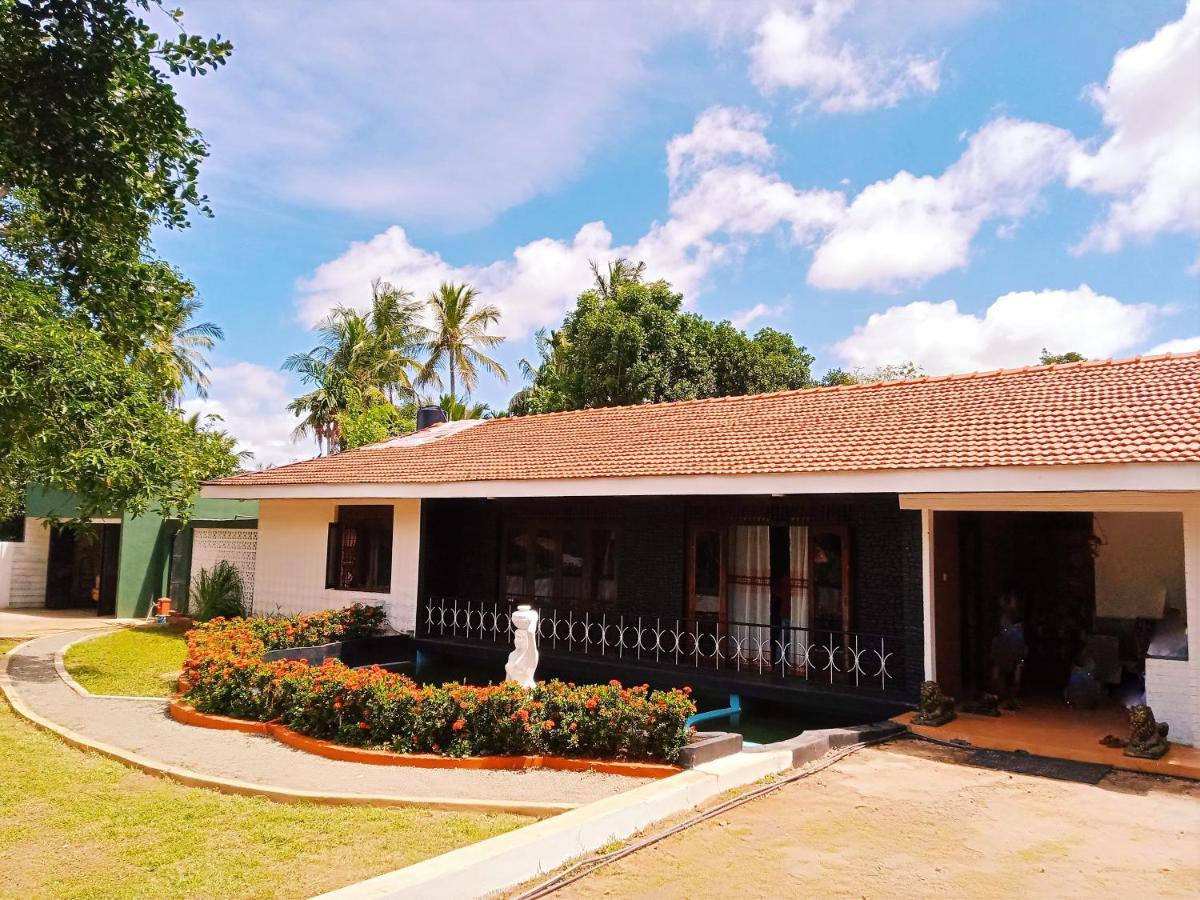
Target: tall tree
column 95, row 151
column 628, row 341
column 361, row 360
column 458, row 338
column 178, row 350
column 398, row 336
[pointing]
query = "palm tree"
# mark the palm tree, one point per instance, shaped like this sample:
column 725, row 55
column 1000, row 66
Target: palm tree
column 321, row 406
column 459, row 332
column 457, row 410
column 177, row 350
column 395, row 322
column 360, row 359
column 619, row 271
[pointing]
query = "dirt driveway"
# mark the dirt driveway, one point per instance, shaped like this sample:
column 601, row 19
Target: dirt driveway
column 906, row 822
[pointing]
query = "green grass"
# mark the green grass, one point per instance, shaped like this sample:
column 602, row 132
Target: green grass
column 77, row 825
column 133, row 662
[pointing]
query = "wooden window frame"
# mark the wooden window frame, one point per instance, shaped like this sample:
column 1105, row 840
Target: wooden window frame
column 335, row 546
column 586, row 528
column 722, row 530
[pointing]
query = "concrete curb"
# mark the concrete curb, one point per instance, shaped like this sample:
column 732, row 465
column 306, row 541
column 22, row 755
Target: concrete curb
column 518, row 856
column 539, row 809
column 811, row 745
column 60, row 666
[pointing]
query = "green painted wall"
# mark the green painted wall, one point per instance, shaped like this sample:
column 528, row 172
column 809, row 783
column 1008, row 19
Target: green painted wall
column 144, row 569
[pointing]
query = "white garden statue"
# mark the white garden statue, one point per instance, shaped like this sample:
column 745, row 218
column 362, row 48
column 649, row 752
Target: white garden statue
column 522, row 662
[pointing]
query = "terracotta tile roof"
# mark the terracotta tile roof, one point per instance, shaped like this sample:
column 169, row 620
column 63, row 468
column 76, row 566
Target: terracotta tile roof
column 1143, row 410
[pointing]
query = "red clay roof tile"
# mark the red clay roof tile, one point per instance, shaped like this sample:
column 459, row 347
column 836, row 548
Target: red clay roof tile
column 1142, row 410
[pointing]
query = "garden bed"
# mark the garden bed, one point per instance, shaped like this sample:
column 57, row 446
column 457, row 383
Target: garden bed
column 330, row 707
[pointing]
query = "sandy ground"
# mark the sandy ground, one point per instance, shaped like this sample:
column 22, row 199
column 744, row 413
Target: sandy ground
column 144, row 727
column 909, row 821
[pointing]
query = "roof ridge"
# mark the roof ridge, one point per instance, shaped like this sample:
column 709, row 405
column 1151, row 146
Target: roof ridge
column 871, row 385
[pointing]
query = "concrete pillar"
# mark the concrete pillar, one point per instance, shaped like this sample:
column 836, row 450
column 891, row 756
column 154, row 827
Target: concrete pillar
column 927, row 597
column 1191, row 574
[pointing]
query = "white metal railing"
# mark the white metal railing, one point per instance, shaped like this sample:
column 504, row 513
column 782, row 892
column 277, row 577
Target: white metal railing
column 821, row 656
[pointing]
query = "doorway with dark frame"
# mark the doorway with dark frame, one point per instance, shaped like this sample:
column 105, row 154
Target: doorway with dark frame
column 82, row 568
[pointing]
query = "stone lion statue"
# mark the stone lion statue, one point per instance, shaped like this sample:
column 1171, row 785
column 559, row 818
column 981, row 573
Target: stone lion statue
column 935, row 707
column 1147, row 738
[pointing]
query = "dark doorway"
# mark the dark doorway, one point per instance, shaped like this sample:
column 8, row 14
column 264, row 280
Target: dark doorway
column 1035, row 568
column 82, row 571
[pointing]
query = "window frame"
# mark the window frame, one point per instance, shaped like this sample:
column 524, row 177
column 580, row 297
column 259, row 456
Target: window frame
column 586, row 528
column 357, row 515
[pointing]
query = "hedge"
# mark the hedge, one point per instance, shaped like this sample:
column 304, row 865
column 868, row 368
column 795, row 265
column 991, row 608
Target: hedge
column 372, row 707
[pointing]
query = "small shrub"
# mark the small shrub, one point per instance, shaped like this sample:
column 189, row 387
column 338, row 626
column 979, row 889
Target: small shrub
column 217, row 592
column 372, row 707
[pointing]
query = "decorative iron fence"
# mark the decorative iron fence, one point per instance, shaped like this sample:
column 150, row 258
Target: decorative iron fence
column 818, row 656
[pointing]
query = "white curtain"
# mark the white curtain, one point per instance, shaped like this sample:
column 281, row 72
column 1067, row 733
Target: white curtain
column 798, row 539
column 750, row 590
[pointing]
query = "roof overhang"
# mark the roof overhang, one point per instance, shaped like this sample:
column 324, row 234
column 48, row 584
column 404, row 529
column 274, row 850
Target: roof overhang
column 983, row 479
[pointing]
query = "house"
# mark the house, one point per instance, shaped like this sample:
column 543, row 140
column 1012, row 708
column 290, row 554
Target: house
column 840, row 543
column 122, row 563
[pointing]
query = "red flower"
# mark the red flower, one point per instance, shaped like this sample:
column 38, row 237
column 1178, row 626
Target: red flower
column 458, row 725
column 364, row 726
column 614, row 683
column 591, row 703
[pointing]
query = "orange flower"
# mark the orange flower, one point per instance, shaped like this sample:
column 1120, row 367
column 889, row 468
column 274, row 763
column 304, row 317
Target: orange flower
column 459, row 725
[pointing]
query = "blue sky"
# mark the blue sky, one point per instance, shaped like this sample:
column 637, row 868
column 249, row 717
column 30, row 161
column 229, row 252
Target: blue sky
column 953, row 182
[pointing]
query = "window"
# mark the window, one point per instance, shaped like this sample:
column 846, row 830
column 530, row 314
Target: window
column 359, row 556
column 572, row 564
column 12, row 530
column 757, row 575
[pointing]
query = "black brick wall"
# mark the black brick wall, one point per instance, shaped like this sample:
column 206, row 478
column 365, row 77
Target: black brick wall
column 461, row 547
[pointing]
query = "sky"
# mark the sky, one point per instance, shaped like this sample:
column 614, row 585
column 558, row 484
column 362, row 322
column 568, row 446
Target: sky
column 955, row 183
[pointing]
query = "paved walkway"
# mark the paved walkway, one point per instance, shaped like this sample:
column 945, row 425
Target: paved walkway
column 27, row 623
column 144, row 728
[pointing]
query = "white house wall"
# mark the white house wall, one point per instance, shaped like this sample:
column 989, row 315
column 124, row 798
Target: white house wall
column 289, row 571
column 23, row 567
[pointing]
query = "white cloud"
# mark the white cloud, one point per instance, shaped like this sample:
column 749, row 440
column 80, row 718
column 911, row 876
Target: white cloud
column 1011, row 332
column 799, row 50
column 721, row 198
column 448, row 114
column 1150, row 164
column 434, row 113
column 903, row 231
column 744, row 318
column 251, row 401
column 1179, row 345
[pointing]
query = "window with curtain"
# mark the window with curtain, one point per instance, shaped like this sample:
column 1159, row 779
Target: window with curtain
column 750, row 587
column 731, row 577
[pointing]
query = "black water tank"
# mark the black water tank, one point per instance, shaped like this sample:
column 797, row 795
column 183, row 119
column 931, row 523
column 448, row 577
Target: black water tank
column 429, row 415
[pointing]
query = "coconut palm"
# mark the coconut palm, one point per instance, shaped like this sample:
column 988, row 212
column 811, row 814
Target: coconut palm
column 619, row 271
column 177, row 350
column 458, row 336
column 456, row 409
column 395, row 321
column 360, row 359
column 320, row 407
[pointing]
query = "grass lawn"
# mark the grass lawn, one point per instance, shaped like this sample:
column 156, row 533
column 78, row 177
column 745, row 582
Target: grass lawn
column 77, row 825
column 133, row 662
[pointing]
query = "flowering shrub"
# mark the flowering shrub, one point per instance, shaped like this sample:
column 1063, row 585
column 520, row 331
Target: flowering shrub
column 372, row 707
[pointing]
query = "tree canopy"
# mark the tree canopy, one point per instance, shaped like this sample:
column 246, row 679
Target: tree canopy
column 1051, row 359
column 96, row 151
column 628, row 341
